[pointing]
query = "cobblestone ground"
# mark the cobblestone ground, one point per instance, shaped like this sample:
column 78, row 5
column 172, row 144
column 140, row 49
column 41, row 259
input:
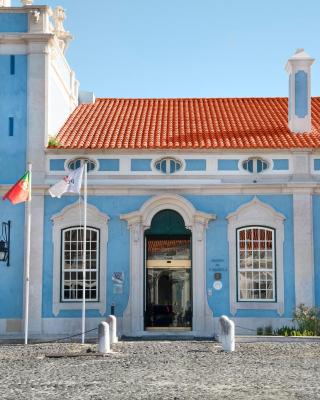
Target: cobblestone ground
column 161, row 370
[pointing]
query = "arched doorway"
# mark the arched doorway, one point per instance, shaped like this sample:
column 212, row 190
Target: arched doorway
column 139, row 221
column 168, row 274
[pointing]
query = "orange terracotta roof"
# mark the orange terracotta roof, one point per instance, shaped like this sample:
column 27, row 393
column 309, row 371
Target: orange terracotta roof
column 200, row 123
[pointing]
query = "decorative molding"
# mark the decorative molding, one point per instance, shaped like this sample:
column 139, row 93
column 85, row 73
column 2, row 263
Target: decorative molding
column 62, row 35
column 258, row 213
column 138, row 222
column 72, row 215
column 35, row 15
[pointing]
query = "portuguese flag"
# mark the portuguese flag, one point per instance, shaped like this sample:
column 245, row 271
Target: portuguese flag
column 21, row 191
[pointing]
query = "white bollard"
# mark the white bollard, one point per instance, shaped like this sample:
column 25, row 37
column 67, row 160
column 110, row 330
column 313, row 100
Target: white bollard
column 104, row 338
column 112, row 321
column 227, row 333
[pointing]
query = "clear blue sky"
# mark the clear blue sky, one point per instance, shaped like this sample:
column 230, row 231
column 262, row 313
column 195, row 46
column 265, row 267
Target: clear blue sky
column 189, row 48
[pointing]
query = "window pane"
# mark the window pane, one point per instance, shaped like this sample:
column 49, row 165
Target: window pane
column 72, row 264
column 172, row 166
column 255, row 258
column 164, row 166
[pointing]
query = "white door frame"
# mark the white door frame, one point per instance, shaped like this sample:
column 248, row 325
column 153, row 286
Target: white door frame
column 138, row 222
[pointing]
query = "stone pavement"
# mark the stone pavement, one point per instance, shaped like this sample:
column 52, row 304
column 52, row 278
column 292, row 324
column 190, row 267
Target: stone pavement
column 160, row 370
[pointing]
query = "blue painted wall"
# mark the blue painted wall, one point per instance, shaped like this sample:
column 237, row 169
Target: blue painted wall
column 109, row 164
column 141, row 164
column 13, row 22
column 13, row 108
column 57, row 164
column 196, row 165
column 117, row 252
column 228, row 165
column 316, row 240
column 13, row 104
column 11, row 278
column 280, row 164
column 316, row 164
column 217, row 247
column 301, row 89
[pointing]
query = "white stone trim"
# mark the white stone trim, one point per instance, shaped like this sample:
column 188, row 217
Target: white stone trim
column 303, row 248
column 138, row 222
column 211, row 160
column 256, row 213
column 70, row 216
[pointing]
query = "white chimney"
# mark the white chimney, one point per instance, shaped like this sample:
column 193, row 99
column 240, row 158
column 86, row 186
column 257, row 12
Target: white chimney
column 299, row 102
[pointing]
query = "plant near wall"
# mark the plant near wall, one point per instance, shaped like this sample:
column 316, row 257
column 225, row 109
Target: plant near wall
column 291, row 331
column 260, row 331
column 53, row 142
column 307, row 319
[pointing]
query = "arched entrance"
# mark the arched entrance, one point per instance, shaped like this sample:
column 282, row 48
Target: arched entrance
column 168, row 274
column 133, row 322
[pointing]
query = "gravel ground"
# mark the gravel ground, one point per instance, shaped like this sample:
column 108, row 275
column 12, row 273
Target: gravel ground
column 161, row 370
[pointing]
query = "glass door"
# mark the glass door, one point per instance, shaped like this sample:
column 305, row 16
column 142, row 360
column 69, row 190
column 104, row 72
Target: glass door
column 168, row 284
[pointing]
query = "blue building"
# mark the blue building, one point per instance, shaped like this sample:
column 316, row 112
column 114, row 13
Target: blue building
column 196, row 207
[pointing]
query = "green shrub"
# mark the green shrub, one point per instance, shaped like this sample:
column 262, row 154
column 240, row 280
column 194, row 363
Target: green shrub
column 284, row 331
column 260, row 331
column 53, row 142
column 268, row 330
column 307, row 319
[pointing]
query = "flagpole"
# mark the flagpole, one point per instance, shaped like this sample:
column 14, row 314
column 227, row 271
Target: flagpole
column 27, row 258
column 84, row 248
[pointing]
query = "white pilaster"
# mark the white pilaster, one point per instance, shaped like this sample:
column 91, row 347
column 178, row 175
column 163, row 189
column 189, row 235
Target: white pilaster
column 202, row 315
column 37, row 107
column 133, row 323
column 303, row 247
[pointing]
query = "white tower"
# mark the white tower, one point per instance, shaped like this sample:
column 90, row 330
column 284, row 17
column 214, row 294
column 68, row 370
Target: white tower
column 299, row 107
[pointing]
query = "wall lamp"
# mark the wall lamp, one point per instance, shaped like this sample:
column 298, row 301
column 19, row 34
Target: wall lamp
column 5, row 242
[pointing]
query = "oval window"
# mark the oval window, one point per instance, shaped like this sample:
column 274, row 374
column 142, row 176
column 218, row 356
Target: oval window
column 255, row 165
column 75, row 164
column 168, row 165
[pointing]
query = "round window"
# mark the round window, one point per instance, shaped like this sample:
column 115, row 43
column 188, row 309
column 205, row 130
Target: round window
column 255, row 165
column 75, row 164
column 168, row 165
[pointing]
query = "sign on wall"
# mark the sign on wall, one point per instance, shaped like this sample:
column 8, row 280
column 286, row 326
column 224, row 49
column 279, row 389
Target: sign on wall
column 117, row 282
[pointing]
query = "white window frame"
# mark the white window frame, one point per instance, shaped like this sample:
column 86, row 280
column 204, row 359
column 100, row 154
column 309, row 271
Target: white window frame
column 67, row 218
column 167, row 161
column 79, row 270
column 82, row 159
column 256, row 213
column 256, row 270
column 255, row 165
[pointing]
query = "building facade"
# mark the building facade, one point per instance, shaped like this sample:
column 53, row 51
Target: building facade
column 196, row 207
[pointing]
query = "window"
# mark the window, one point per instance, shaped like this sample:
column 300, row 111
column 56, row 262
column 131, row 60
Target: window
column 168, row 165
column 72, row 264
column 67, row 239
column 256, row 264
column 74, row 164
column 255, row 165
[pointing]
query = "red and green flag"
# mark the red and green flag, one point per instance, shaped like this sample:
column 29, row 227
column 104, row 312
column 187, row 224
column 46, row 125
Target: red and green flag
column 21, row 191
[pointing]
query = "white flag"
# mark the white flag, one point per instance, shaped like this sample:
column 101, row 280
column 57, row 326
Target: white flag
column 70, row 183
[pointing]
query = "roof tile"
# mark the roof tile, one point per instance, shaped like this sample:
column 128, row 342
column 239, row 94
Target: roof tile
column 204, row 123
